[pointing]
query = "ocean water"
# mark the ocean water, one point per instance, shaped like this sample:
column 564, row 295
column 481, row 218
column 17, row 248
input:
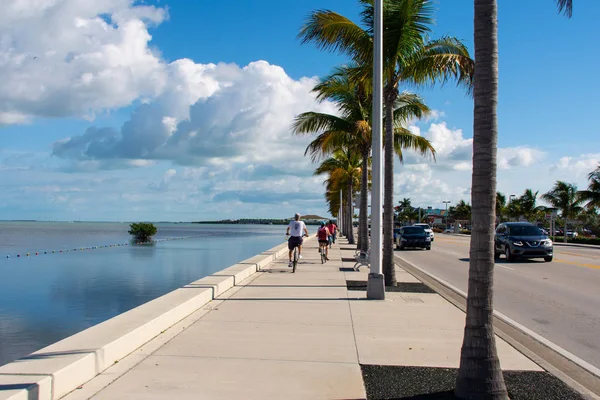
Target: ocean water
column 48, row 297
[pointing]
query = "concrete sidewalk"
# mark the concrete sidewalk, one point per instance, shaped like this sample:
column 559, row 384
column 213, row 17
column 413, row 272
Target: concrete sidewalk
column 286, row 336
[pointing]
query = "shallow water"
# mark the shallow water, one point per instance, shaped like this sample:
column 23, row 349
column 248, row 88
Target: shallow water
column 48, row 297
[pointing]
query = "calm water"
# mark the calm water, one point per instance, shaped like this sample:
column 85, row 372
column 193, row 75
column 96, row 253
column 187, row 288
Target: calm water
column 46, row 298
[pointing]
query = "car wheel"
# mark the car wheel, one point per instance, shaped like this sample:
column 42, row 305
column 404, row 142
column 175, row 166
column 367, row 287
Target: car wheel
column 496, row 255
column 509, row 257
column 548, row 259
column 400, row 247
column 428, row 248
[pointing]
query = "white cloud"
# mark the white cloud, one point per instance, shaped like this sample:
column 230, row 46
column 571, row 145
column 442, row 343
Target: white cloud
column 522, row 156
column 75, row 57
column 577, row 166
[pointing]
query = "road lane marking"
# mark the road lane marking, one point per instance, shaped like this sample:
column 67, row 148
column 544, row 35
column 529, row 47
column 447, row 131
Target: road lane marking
column 568, row 355
column 594, row 266
column 504, row 266
column 577, row 255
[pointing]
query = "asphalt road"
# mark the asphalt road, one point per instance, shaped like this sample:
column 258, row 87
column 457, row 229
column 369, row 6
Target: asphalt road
column 559, row 300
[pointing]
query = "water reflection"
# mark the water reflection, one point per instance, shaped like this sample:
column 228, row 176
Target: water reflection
column 45, row 299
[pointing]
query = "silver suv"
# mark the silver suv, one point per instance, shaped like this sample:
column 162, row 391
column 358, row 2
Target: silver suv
column 427, row 229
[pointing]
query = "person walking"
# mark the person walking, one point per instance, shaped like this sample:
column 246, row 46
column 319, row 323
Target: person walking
column 332, row 232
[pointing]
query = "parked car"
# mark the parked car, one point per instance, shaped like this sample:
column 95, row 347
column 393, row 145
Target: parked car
column 572, row 234
column 522, row 240
column 427, row 229
column 413, row 236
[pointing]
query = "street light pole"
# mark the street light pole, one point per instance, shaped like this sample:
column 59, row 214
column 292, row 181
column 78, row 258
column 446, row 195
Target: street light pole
column 375, row 283
column 446, row 213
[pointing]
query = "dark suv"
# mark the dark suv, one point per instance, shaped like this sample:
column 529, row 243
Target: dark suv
column 413, row 236
column 522, row 240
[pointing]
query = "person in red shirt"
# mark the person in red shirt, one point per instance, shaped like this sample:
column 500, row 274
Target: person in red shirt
column 332, row 232
column 323, row 236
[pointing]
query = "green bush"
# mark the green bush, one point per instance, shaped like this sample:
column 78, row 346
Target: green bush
column 142, row 231
column 580, row 240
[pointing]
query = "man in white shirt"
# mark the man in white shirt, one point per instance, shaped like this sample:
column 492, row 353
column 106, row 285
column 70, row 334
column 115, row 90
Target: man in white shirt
column 296, row 229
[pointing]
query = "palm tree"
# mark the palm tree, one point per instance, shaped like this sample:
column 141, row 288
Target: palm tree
column 408, row 57
column 479, row 374
column 353, row 128
column 592, row 194
column 462, row 211
column 500, row 205
column 344, row 169
column 565, row 198
column 527, row 205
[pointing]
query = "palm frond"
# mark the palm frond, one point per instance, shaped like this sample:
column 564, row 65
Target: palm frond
column 565, row 7
column 311, row 122
column 406, row 140
column 439, row 61
column 333, row 32
column 409, row 106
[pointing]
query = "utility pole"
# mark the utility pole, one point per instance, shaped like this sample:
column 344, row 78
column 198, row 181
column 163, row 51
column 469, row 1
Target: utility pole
column 375, row 283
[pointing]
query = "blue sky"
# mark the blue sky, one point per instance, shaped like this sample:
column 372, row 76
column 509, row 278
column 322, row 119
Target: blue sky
column 87, row 108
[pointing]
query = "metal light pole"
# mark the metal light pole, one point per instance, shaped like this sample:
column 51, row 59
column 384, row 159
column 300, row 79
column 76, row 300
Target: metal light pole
column 446, row 213
column 375, row 283
column 339, row 222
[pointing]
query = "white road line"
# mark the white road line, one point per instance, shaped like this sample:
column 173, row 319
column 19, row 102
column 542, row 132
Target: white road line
column 504, row 266
column 568, row 355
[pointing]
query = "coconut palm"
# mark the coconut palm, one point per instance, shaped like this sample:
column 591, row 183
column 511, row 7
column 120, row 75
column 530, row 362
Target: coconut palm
column 408, row 58
column 592, row 194
column 352, row 128
column 527, row 205
column 565, row 198
column 479, row 374
column 344, row 169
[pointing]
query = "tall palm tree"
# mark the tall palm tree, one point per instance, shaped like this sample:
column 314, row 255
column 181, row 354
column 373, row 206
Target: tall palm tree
column 352, row 128
column 344, row 169
column 479, row 374
column 564, row 197
column 592, row 194
column 408, row 58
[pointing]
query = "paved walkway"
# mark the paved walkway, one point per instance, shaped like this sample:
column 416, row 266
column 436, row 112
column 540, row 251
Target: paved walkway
column 285, row 336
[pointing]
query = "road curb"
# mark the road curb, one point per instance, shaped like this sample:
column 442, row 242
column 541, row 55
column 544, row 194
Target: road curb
column 580, row 375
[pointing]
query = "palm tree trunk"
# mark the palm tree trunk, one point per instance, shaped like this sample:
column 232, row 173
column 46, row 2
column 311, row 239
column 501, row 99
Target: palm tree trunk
column 479, row 374
column 350, row 214
column 363, row 228
column 389, row 270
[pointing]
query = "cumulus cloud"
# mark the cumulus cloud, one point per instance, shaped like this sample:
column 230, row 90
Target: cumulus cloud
column 76, row 57
column 522, row 156
column 578, row 166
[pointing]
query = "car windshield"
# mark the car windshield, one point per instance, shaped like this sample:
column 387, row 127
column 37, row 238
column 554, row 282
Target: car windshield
column 424, row 226
column 411, row 230
column 525, row 230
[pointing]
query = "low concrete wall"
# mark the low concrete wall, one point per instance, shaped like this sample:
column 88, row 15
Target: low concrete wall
column 58, row 369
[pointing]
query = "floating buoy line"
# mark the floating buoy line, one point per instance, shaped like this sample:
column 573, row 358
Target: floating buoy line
column 103, row 246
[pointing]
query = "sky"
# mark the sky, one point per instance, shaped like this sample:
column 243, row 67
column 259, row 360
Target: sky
column 175, row 110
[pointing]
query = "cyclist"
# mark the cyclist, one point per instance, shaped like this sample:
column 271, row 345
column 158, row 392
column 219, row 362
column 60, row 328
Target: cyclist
column 332, row 232
column 296, row 228
column 323, row 236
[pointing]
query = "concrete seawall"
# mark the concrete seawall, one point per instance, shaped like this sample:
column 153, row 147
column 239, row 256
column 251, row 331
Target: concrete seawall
column 54, row 371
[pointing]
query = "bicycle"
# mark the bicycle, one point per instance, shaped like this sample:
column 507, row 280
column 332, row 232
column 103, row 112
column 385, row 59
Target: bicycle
column 295, row 256
column 323, row 256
